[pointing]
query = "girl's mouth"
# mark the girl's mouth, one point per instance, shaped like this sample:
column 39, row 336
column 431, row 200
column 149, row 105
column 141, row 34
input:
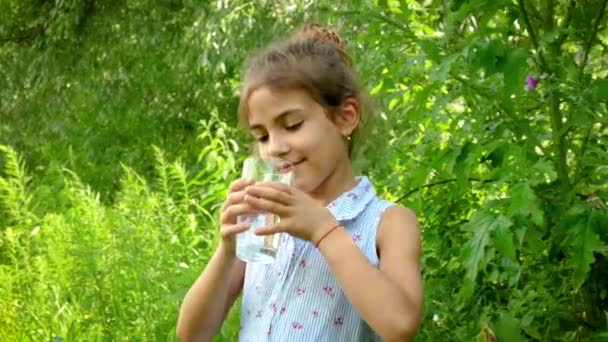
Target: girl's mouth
column 289, row 167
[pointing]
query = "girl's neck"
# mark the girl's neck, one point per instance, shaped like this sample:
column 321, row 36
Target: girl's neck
column 340, row 180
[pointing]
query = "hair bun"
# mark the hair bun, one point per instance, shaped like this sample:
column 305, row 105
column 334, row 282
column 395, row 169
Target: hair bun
column 315, row 31
column 318, row 32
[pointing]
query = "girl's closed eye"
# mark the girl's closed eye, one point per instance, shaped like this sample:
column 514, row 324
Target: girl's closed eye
column 294, row 127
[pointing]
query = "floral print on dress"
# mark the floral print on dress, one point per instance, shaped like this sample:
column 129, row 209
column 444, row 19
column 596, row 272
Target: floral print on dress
column 329, row 291
column 301, row 279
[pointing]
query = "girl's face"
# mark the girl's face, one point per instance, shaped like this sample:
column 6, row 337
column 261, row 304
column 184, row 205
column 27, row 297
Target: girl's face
column 291, row 125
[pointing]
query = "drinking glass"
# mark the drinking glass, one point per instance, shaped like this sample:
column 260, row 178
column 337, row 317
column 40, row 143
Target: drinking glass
column 261, row 248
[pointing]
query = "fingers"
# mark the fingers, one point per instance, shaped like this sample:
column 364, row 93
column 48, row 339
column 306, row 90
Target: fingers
column 240, row 184
column 234, row 198
column 263, row 204
column 233, row 229
column 276, row 185
column 271, row 193
column 236, row 193
column 268, row 230
column 230, row 213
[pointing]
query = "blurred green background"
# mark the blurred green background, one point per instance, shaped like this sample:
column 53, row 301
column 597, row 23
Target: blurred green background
column 118, row 142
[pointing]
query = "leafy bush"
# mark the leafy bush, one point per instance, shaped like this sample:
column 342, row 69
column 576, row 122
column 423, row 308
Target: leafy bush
column 491, row 124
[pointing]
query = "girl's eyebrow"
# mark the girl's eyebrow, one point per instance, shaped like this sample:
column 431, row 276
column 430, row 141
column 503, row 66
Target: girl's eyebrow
column 279, row 117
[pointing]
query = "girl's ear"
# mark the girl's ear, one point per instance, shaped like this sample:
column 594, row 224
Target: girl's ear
column 348, row 116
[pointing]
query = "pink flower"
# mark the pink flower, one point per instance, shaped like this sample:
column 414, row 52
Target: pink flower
column 300, row 291
column 297, row 325
column 315, row 313
column 531, row 82
column 357, row 237
column 329, row 291
column 303, row 263
column 339, row 321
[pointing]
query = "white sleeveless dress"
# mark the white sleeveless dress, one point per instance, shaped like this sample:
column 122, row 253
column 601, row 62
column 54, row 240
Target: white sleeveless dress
column 298, row 298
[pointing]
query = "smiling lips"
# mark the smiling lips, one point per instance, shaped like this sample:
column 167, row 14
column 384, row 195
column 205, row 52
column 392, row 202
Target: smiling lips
column 289, row 167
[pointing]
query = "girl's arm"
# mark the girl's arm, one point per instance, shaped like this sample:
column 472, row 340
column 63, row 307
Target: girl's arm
column 388, row 298
column 207, row 302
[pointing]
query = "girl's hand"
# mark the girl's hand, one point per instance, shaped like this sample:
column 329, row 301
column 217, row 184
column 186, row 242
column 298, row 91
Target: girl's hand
column 301, row 216
column 232, row 208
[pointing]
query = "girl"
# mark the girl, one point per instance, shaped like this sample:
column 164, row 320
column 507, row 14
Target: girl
column 347, row 268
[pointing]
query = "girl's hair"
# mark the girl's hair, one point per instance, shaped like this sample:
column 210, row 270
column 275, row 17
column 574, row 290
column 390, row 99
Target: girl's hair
column 313, row 59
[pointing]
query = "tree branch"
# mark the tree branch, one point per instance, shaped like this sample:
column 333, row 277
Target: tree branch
column 492, row 97
column 372, row 14
column 439, row 183
column 589, row 42
column 566, row 24
column 579, row 167
column 530, row 30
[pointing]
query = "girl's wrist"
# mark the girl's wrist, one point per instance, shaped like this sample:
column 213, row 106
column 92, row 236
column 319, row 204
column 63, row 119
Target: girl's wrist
column 227, row 250
column 328, row 230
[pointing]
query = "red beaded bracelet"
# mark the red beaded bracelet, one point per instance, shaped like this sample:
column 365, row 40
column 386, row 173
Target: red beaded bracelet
column 327, row 233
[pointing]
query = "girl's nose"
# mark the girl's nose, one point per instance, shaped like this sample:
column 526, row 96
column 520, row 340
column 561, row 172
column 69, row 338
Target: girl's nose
column 277, row 146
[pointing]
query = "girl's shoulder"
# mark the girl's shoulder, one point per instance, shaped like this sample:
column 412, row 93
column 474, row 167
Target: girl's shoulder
column 399, row 226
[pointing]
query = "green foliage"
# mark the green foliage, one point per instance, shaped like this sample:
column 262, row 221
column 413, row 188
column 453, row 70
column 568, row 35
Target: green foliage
column 106, row 272
column 494, row 168
column 110, row 181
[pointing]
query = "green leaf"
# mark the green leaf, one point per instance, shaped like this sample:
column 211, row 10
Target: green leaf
column 481, row 225
column 377, row 88
column 431, row 49
column 490, row 57
column 515, row 71
column 467, row 158
column 545, row 170
column 503, row 240
column 580, row 243
column 508, row 329
column 600, row 90
column 525, row 203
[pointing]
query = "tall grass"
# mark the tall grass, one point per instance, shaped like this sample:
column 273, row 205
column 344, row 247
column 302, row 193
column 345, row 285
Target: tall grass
column 85, row 270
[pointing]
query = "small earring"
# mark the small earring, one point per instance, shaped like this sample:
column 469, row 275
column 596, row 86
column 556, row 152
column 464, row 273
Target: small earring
column 348, row 138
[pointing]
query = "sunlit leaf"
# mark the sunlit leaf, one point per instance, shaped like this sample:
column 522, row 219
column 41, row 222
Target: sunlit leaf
column 525, row 203
column 582, row 241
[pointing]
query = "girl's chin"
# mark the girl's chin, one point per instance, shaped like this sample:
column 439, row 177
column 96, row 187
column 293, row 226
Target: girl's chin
column 307, row 185
column 299, row 183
